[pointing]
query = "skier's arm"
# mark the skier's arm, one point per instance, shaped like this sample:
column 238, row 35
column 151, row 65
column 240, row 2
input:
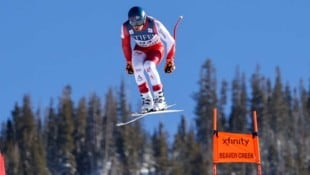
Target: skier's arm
column 167, row 38
column 170, row 46
column 126, row 45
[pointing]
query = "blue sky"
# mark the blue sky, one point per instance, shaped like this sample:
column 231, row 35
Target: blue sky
column 45, row 45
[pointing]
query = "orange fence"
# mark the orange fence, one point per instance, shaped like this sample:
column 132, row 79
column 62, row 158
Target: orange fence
column 235, row 147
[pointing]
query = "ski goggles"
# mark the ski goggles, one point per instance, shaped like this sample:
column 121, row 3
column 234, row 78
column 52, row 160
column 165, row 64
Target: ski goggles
column 136, row 23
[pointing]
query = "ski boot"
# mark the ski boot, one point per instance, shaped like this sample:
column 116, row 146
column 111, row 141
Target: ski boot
column 147, row 103
column 159, row 101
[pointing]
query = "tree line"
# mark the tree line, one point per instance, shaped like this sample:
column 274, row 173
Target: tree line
column 80, row 137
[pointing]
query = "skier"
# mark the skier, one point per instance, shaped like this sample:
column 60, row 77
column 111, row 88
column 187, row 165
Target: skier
column 149, row 35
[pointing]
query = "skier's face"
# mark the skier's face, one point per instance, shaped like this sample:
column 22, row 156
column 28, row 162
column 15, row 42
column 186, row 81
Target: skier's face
column 138, row 27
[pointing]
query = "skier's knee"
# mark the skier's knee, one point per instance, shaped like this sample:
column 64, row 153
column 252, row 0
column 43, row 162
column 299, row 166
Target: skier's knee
column 138, row 68
column 149, row 65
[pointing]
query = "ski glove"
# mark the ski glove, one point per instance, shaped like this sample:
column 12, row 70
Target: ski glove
column 169, row 67
column 129, row 68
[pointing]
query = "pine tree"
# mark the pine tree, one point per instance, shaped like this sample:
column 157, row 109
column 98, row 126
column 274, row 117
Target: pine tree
column 161, row 150
column 109, row 133
column 223, row 124
column 79, row 135
column 180, row 158
column 259, row 98
column 303, row 129
column 280, row 115
column 279, row 107
column 10, row 148
column 94, row 136
column 268, row 135
column 29, row 142
column 123, row 138
column 294, row 143
column 206, row 101
column 238, row 118
column 130, row 140
column 259, row 102
column 51, row 135
column 186, row 154
column 66, row 160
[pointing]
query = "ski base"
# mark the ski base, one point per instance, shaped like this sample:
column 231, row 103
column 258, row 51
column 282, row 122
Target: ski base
column 138, row 116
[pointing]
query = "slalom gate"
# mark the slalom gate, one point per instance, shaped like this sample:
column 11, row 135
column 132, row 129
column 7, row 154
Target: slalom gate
column 229, row 147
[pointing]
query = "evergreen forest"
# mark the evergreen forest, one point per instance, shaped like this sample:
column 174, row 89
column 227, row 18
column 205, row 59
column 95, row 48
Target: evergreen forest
column 80, row 137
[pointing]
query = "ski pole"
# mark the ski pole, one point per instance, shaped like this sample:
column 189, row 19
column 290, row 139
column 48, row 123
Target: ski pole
column 176, row 26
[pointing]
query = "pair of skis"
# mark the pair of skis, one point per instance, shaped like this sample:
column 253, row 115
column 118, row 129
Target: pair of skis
column 138, row 116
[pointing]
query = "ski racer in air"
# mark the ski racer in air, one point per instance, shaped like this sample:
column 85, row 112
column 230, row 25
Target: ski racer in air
column 152, row 42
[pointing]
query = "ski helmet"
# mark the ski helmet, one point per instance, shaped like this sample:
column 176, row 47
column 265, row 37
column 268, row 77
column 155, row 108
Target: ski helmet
column 136, row 16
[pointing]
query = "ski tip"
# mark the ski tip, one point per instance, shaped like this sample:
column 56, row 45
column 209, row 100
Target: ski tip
column 119, row 124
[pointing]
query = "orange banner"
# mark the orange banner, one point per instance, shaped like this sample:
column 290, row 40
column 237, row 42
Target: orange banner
column 235, row 147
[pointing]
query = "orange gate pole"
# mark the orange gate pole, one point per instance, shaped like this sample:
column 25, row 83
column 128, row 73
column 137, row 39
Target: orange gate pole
column 2, row 165
column 214, row 135
column 255, row 134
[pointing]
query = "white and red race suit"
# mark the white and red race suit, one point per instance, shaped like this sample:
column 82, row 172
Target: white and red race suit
column 148, row 51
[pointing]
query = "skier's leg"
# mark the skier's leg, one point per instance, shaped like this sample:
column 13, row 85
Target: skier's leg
column 153, row 58
column 151, row 70
column 138, row 58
